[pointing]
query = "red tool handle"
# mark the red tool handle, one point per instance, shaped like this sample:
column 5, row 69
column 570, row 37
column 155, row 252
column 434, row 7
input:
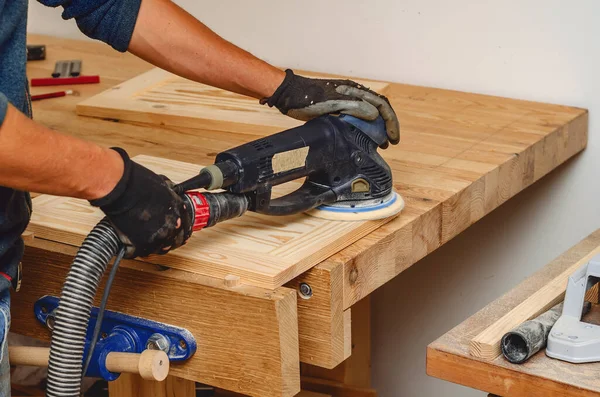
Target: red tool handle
column 48, row 95
column 201, row 210
column 46, row 81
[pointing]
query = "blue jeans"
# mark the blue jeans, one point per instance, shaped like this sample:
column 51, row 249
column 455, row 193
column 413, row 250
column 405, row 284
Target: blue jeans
column 4, row 326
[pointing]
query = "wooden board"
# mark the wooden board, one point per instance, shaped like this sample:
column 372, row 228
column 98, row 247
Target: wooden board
column 448, row 357
column 263, row 251
column 162, row 98
column 325, row 336
column 486, row 345
column 356, row 369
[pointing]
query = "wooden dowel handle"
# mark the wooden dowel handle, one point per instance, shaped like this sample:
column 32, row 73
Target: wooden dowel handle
column 151, row 364
column 27, row 355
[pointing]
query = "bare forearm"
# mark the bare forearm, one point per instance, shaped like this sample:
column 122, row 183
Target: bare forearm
column 167, row 36
column 35, row 158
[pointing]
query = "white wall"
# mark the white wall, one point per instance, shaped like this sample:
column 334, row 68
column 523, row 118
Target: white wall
column 543, row 50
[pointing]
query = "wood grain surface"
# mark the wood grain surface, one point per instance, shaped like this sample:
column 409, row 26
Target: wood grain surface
column 461, row 155
column 159, row 97
column 356, row 369
column 325, row 338
column 448, row 357
column 264, row 251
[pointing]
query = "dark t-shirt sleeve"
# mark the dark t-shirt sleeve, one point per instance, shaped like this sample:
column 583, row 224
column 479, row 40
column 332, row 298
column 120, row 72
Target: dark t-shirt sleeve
column 110, row 21
column 3, row 107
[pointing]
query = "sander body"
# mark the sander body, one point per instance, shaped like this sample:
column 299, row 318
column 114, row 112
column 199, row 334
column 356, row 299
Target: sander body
column 336, row 155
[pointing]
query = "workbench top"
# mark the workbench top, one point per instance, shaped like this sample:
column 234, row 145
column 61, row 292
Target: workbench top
column 461, row 156
column 448, row 357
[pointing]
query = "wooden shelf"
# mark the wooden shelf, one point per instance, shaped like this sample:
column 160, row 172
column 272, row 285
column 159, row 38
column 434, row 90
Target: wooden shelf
column 448, row 357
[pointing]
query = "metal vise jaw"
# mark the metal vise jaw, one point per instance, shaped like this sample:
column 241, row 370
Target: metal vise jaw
column 122, row 333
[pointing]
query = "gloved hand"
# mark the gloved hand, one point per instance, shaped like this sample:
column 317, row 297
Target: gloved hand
column 305, row 98
column 149, row 217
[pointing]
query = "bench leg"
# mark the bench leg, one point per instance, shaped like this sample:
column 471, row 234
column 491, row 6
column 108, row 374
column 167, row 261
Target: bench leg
column 130, row 385
column 353, row 376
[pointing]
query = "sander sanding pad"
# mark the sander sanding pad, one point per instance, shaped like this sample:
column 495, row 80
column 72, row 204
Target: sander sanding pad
column 382, row 211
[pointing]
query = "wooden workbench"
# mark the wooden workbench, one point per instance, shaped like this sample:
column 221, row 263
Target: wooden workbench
column 461, row 156
column 448, row 357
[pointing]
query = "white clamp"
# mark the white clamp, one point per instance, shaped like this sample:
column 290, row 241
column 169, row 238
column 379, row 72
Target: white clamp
column 571, row 339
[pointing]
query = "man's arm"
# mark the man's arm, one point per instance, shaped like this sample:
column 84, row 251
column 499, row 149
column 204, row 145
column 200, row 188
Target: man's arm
column 146, row 213
column 35, row 158
column 162, row 33
column 167, row 36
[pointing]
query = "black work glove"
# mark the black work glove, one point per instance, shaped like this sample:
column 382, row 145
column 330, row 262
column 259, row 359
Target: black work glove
column 305, row 98
column 149, row 217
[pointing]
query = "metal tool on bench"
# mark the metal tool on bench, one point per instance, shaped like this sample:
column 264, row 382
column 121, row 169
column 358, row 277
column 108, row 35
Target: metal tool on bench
column 65, row 73
column 67, row 69
column 527, row 339
column 571, row 339
column 345, row 178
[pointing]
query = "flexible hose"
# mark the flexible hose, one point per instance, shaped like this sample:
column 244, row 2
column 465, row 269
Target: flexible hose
column 73, row 313
column 101, row 310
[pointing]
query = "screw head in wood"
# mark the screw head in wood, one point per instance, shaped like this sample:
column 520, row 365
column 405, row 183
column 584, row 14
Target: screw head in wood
column 305, row 291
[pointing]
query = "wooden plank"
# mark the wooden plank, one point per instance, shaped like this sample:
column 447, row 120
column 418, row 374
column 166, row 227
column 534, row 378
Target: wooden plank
column 247, row 336
column 263, row 251
column 592, row 294
column 486, row 345
column 448, row 357
column 489, row 378
column 159, row 97
column 356, row 369
column 325, row 325
column 130, row 385
column 358, row 366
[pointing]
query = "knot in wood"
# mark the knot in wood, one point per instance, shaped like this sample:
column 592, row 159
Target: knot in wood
column 353, row 275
